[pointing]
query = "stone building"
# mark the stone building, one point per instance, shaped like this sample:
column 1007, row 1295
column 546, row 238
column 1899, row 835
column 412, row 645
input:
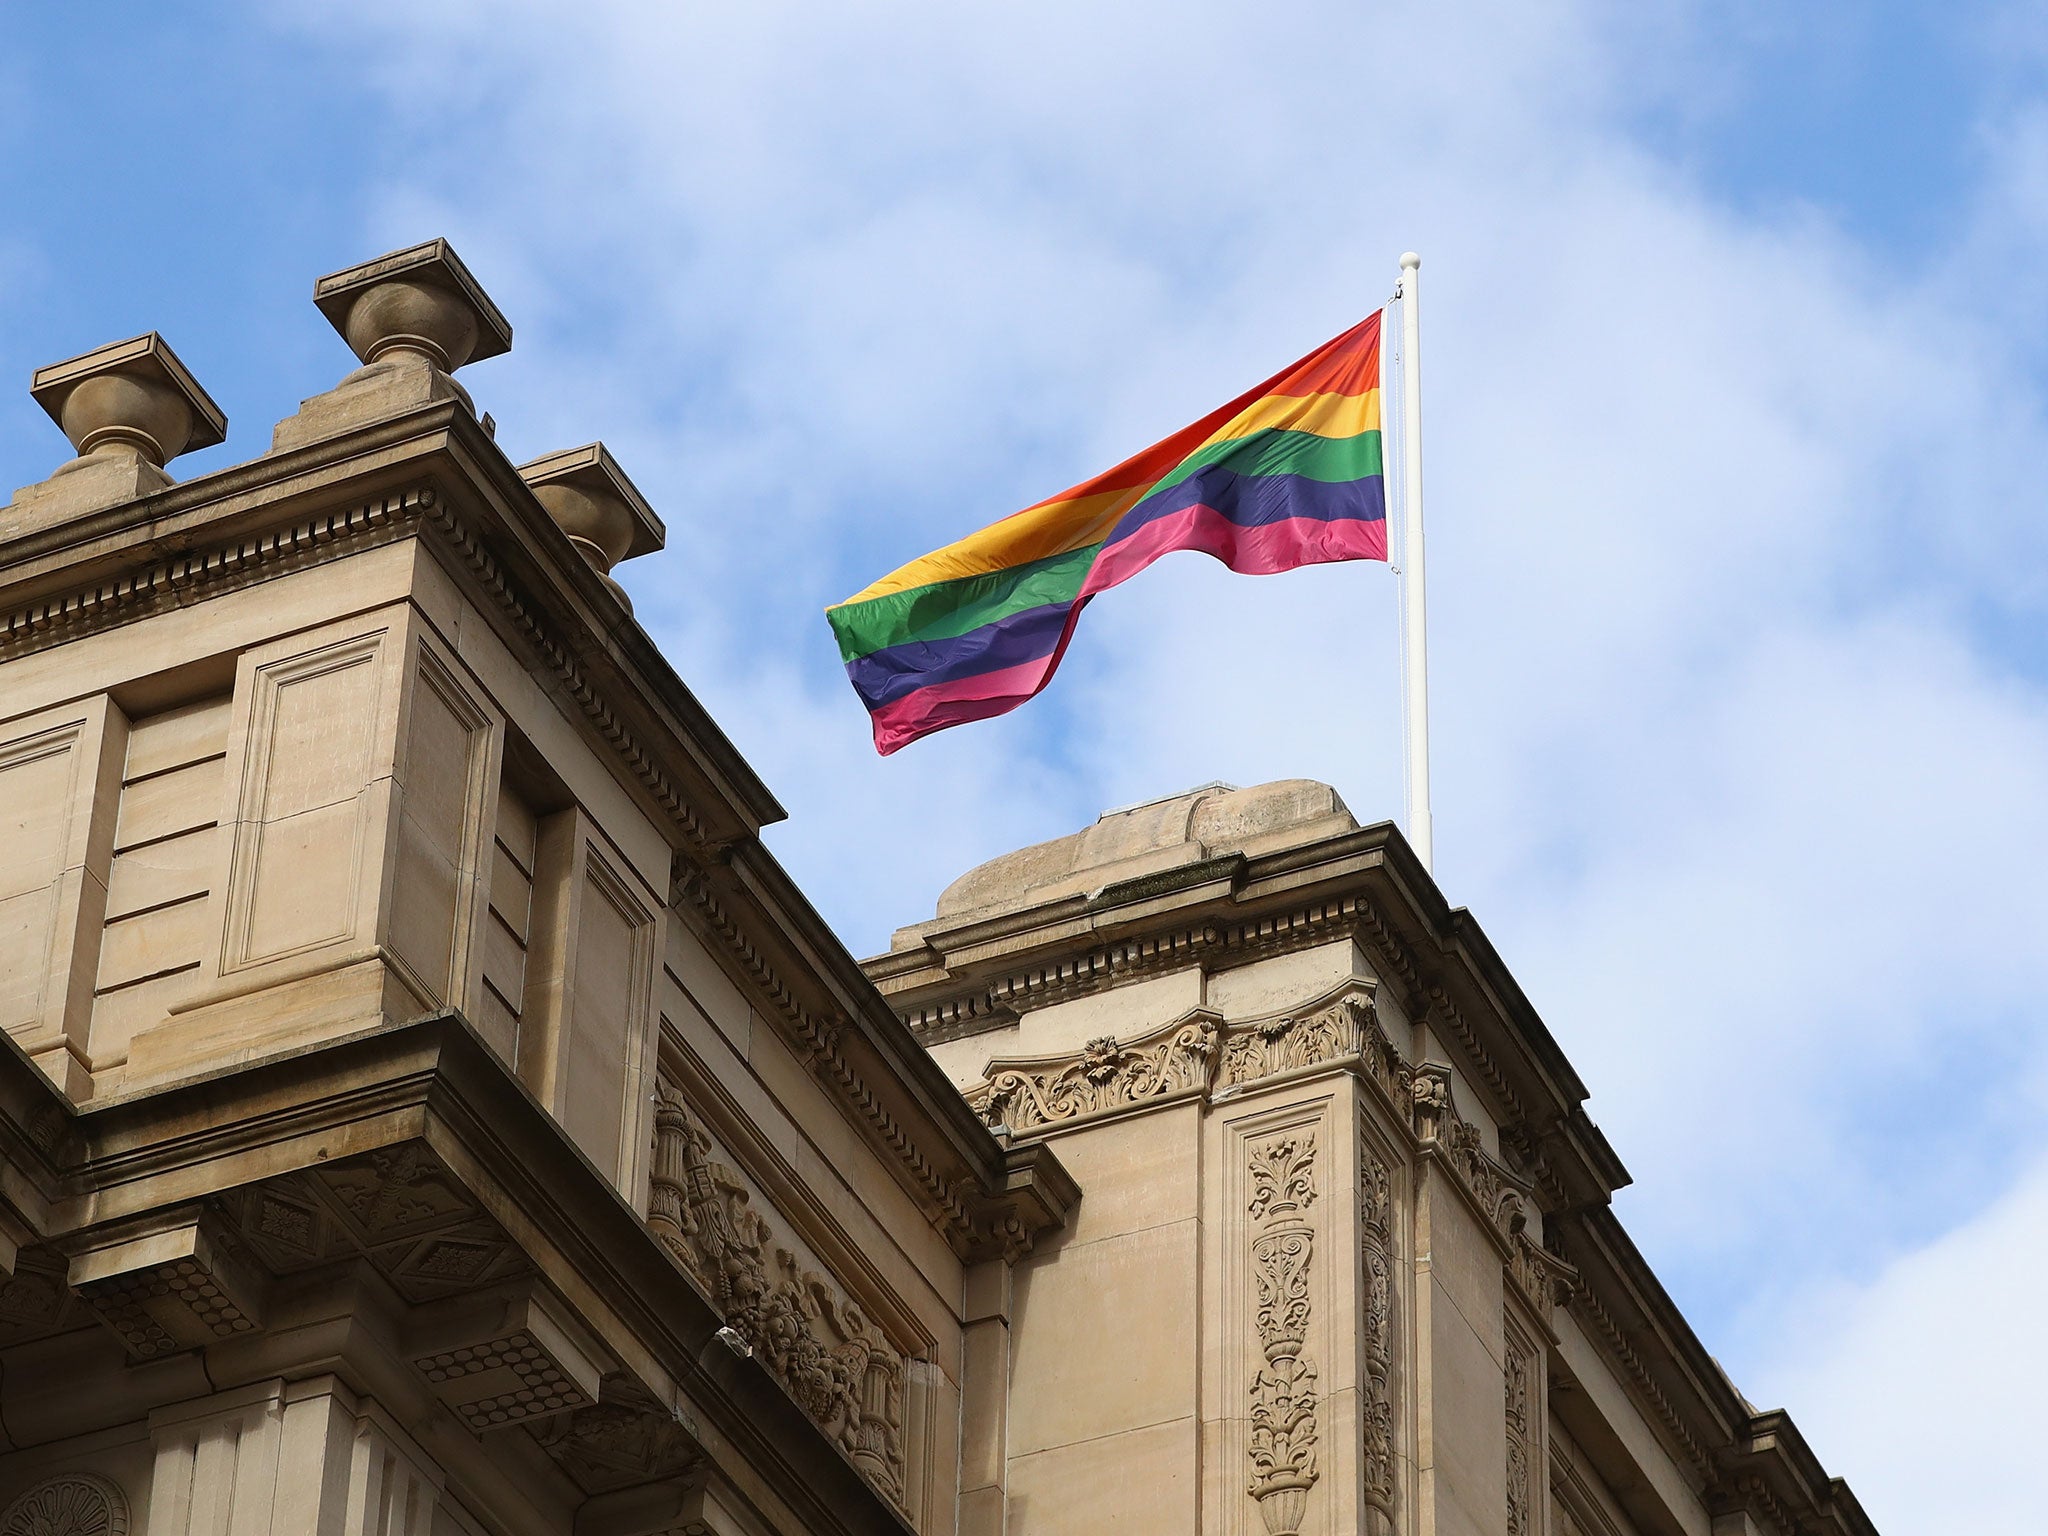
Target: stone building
column 429, row 1109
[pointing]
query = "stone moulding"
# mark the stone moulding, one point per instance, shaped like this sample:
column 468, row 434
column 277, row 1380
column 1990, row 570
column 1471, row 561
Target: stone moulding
column 219, row 567
column 1199, row 1055
column 561, row 661
column 1215, row 946
column 1588, row 1307
column 802, row 1326
column 1543, row 1280
column 1281, row 1170
column 1340, row 1026
column 977, row 1223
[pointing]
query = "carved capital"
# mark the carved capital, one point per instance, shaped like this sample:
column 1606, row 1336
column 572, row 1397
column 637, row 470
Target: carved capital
column 1326, row 1030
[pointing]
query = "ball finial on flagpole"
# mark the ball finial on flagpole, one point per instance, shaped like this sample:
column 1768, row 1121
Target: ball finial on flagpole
column 1410, row 261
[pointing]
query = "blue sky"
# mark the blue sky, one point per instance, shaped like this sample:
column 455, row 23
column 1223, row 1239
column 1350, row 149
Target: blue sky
column 1737, row 346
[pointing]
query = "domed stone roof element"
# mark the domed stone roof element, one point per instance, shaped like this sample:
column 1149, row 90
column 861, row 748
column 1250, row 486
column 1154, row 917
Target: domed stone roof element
column 1137, row 840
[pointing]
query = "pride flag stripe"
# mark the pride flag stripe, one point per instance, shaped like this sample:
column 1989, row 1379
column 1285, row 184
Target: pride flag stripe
column 1290, row 473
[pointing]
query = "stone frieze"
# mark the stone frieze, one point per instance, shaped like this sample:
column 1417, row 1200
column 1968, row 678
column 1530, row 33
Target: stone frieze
column 800, row 1324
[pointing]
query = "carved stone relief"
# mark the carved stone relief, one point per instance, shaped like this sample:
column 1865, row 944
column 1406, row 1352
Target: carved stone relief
column 1543, row 1278
column 812, row 1337
column 1195, row 1053
column 624, row 1440
column 1376, row 1228
column 35, row 1301
column 1521, row 1436
column 1026, row 1094
column 71, row 1504
column 1282, row 1171
column 398, row 1206
column 1289, row 1041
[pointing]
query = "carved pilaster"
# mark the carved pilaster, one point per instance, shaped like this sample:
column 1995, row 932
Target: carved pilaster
column 1376, row 1226
column 1519, row 1374
column 1282, row 1168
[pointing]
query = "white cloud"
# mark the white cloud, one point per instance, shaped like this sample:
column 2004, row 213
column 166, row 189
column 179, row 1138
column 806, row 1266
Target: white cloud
column 1926, row 1379
column 1733, row 522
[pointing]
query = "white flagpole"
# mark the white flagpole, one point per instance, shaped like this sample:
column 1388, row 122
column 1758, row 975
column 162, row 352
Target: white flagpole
column 1415, row 678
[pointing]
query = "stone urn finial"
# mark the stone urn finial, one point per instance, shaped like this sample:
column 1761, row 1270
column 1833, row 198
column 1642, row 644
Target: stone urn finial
column 421, row 302
column 129, row 408
column 412, row 317
column 603, row 512
column 132, row 399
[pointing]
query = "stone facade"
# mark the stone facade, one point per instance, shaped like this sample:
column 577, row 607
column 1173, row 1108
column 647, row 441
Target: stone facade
column 429, row 1109
column 1345, row 1260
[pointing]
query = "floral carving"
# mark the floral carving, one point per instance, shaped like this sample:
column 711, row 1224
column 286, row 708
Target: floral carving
column 1545, row 1279
column 1289, row 1041
column 1283, row 1388
column 1521, row 1428
column 1283, row 1173
column 1376, row 1224
column 71, row 1504
column 812, row 1338
column 394, row 1188
column 611, row 1445
column 1025, row 1094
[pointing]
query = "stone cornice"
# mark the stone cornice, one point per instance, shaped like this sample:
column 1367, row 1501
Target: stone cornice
column 568, row 672
column 1199, row 1056
column 433, row 474
column 179, row 577
column 430, row 472
column 1774, row 1475
column 1746, row 1460
column 985, row 1199
column 430, row 1092
column 1364, row 885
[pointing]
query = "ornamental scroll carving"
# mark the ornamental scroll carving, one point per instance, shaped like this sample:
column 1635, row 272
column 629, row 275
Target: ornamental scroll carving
column 1194, row 1054
column 1286, row 1042
column 810, row 1335
column 1282, row 1171
column 1376, row 1228
column 1027, row 1093
column 1543, row 1278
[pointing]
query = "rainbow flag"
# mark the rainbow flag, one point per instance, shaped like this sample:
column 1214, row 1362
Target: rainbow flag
column 1287, row 474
